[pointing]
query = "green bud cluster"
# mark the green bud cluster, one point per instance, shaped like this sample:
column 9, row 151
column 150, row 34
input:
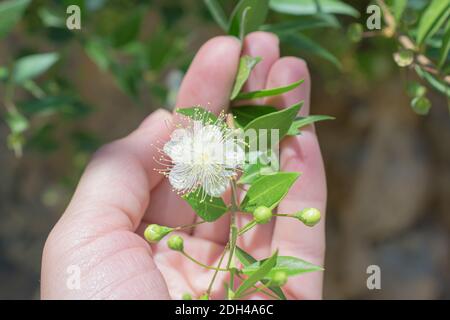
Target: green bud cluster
column 262, row 215
column 154, row 232
column 309, row 216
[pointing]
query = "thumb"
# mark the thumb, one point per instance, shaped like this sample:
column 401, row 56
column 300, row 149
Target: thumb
column 93, row 251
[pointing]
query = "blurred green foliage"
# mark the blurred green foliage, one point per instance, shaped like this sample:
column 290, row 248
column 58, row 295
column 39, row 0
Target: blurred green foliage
column 146, row 45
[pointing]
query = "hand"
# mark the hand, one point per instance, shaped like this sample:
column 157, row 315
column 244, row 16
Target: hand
column 119, row 194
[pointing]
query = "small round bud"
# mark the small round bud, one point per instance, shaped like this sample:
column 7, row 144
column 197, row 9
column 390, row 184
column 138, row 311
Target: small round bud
column 404, row 57
column 186, row 296
column 421, row 105
column 262, row 215
column 279, row 278
column 309, row 216
column 204, row 297
column 355, row 32
column 415, row 89
column 176, row 243
column 154, row 232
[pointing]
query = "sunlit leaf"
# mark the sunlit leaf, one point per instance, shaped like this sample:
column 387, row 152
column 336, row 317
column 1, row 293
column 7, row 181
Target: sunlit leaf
column 301, row 122
column 268, row 190
column 268, row 92
column 291, row 265
column 258, row 275
column 243, row 115
column 209, row 208
column 246, row 65
column 246, row 259
column 32, row 66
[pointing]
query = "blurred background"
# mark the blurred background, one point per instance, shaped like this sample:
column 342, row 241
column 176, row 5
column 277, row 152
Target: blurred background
column 65, row 92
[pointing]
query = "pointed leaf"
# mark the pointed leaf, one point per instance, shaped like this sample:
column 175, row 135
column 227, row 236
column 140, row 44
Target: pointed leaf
column 243, row 115
column 246, row 259
column 304, row 121
column 255, row 16
column 217, row 13
column 32, row 66
column 291, row 265
column 246, row 65
column 258, row 275
column 209, row 209
column 268, row 92
column 268, row 191
column 280, row 120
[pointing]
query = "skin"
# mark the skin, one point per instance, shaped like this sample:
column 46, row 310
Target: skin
column 120, row 193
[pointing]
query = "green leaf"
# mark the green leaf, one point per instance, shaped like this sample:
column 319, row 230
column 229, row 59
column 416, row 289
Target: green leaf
column 217, row 13
column 280, row 120
column 246, row 65
column 243, row 115
column 267, row 92
column 258, row 275
column 246, row 259
column 445, row 48
column 303, row 43
column 438, row 85
column 127, row 30
column 209, row 209
column 433, row 17
column 32, row 66
column 254, row 171
column 309, row 7
column 397, row 7
column 304, row 121
column 304, row 23
column 254, row 17
column 268, row 191
column 198, row 113
column 10, row 13
column 291, row 265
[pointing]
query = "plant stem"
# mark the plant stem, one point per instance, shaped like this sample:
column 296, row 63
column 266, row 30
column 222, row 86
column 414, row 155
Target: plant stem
column 217, row 270
column 201, row 264
column 233, row 231
column 247, row 227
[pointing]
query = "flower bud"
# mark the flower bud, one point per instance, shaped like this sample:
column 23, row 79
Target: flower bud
column 186, row 296
column 309, row 216
column 279, row 278
column 421, row 105
column 204, row 297
column 262, row 215
column 154, row 232
column 355, row 32
column 404, row 57
column 176, row 243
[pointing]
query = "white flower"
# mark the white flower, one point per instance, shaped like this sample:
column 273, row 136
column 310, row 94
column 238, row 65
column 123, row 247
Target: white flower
column 203, row 155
